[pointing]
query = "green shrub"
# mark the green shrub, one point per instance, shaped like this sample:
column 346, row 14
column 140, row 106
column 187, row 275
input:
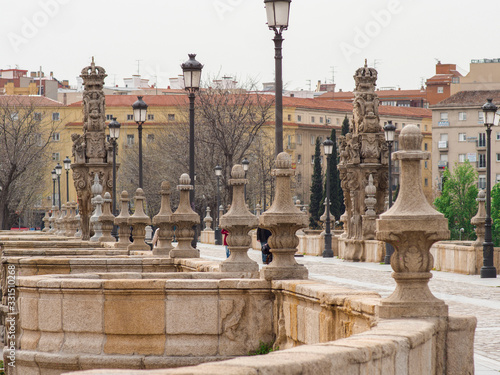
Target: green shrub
column 264, row 348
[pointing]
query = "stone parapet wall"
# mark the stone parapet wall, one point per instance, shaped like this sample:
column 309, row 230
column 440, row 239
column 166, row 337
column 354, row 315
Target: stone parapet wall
column 367, row 250
column 207, row 236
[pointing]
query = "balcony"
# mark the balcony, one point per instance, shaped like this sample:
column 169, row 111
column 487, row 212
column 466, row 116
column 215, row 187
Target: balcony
column 443, row 145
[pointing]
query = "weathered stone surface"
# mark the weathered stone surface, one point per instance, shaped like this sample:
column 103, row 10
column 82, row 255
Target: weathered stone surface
column 163, row 220
column 78, row 308
column 106, row 219
column 188, row 315
column 138, row 221
column 122, row 221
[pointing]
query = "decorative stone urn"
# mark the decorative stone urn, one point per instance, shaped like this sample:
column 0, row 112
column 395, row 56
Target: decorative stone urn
column 184, row 218
column 122, row 221
column 283, row 219
column 138, row 221
column 164, row 222
column 238, row 221
column 107, row 219
column 412, row 225
column 480, row 219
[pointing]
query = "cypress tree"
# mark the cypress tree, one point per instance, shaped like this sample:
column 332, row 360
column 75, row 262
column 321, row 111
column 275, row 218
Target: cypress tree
column 345, row 126
column 315, row 207
column 337, row 206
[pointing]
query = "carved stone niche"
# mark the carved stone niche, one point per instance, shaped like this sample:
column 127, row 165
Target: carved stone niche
column 412, row 225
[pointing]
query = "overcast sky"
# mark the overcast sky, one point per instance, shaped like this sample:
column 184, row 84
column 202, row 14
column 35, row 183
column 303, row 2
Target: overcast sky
column 402, row 37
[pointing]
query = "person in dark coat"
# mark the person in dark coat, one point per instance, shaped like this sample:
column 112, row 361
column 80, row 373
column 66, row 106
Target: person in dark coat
column 263, row 236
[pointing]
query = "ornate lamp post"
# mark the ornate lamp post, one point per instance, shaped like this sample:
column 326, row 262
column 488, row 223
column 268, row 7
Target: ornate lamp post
column 114, row 133
column 328, row 147
column 245, row 163
column 217, row 234
column 67, row 166
column 58, row 169
column 278, row 12
column 389, row 132
column 54, row 178
column 488, row 270
column 140, row 112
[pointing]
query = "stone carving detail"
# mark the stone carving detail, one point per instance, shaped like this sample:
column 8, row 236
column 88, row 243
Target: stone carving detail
column 184, row 218
column 164, row 222
column 231, row 314
column 138, row 221
column 283, row 219
column 363, row 153
column 238, row 221
column 480, row 219
column 122, row 221
column 412, row 225
column 106, row 220
column 208, row 220
column 370, row 216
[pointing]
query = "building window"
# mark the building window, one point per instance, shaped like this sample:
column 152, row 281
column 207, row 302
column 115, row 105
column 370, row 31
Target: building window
column 481, row 140
column 320, row 139
column 130, row 139
column 461, row 158
column 312, row 159
column 462, row 137
column 109, row 117
column 151, row 117
column 425, row 164
column 425, row 127
column 480, row 117
column 312, row 119
column 130, row 117
column 313, row 140
column 426, row 182
column 455, row 80
column 482, row 182
column 498, row 136
column 338, row 121
column 425, row 146
column 38, row 116
column 328, row 120
column 55, row 116
column 289, row 117
column 440, row 90
column 403, row 125
column 299, row 118
column 321, row 120
column 299, row 139
column 498, row 178
column 482, row 161
column 56, row 137
column 444, row 116
column 462, row 116
column 299, row 159
column 55, row 156
column 299, row 178
column 14, row 116
column 171, row 117
column 150, row 138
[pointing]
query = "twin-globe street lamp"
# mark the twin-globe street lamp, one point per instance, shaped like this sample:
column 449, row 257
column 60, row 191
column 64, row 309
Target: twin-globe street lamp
column 245, row 163
column 114, row 133
column 389, row 132
column 140, row 112
column 54, row 178
column 278, row 12
column 58, row 169
column 217, row 234
column 488, row 270
column 67, row 166
column 328, row 148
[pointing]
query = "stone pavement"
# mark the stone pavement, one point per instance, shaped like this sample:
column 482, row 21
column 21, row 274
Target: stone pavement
column 464, row 294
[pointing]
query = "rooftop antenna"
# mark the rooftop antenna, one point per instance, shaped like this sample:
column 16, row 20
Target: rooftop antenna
column 138, row 66
column 309, row 83
column 332, row 68
column 376, row 62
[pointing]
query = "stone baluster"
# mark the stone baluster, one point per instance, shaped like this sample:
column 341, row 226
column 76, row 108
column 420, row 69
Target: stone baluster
column 46, row 223
column 122, row 221
column 412, row 225
column 208, row 220
column 480, row 219
column 95, row 189
column 60, row 221
column 238, row 221
column 323, row 219
column 370, row 215
column 221, row 211
column 283, row 219
column 258, row 210
column 94, row 220
column 106, row 220
column 69, row 220
column 138, row 221
column 164, row 222
column 52, row 220
column 57, row 214
column 78, row 225
column 184, row 218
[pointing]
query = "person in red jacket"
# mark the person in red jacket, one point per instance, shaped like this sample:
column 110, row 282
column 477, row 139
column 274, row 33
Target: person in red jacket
column 224, row 232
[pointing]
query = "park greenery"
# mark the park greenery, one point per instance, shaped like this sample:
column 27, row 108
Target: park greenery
column 315, row 205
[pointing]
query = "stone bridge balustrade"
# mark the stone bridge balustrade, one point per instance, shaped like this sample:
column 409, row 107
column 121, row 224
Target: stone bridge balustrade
column 122, row 221
column 106, row 220
column 71, row 220
column 164, row 222
column 138, row 221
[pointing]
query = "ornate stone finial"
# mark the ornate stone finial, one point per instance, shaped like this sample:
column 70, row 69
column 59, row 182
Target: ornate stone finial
column 138, row 221
column 184, row 218
column 94, row 220
column 107, row 220
column 412, row 225
column 208, row 220
column 46, row 224
column 258, row 210
column 122, row 221
column 366, row 63
column 164, row 222
column 283, row 219
column 52, row 220
column 70, row 217
column 480, row 219
column 61, row 221
column 238, row 221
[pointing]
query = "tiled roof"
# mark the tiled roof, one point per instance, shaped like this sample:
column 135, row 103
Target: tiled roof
column 470, row 98
column 383, row 94
column 150, row 100
column 28, row 100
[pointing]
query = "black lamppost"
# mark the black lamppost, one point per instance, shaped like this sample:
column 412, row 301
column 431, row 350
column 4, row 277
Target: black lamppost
column 488, row 270
column 114, row 133
column 191, row 70
column 140, row 112
column 278, row 12
column 54, row 178
column 245, row 163
column 217, row 234
column 328, row 147
column 67, row 166
column 389, row 132
column 58, row 169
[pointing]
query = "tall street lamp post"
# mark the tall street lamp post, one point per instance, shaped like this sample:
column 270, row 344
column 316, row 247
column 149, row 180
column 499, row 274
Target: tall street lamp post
column 114, row 133
column 140, row 112
column 54, row 178
column 328, row 147
column 58, row 173
column 389, row 132
column 217, row 234
column 488, row 270
column 245, row 163
column 67, row 166
column 278, row 12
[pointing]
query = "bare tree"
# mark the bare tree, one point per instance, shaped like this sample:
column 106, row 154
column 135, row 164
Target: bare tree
column 27, row 126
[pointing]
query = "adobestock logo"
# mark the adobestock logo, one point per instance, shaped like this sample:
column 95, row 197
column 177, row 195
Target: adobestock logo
column 224, row 6
column 363, row 36
column 30, row 27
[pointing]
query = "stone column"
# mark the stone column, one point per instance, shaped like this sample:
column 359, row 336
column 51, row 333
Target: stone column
column 283, row 219
column 184, row 218
column 138, row 221
column 94, row 220
column 480, row 219
column 370, row 215
column 164, row 222
column 122, row 221
column 412, row 225
column 106, row 220
column 238, row 221
column 46, row 224
column 208, row 220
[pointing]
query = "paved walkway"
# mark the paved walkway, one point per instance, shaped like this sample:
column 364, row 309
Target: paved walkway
column 464, row 294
